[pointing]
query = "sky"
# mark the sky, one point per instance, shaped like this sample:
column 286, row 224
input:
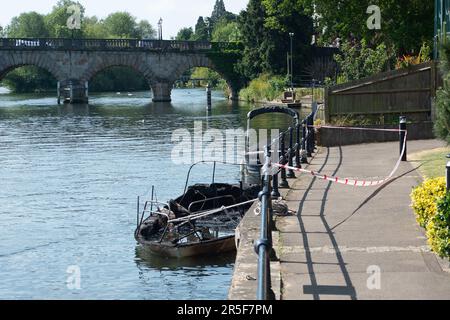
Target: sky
column 176, row 14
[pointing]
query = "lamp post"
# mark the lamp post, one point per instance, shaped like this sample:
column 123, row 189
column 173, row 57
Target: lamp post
column 291, row 35
column 160, row 36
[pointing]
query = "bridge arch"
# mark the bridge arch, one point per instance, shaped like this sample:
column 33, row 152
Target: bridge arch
column 196, row 61
column 12, row 61
column 117, row 60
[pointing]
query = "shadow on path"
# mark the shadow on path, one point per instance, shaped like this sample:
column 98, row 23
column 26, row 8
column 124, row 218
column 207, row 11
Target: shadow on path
column 315, row 289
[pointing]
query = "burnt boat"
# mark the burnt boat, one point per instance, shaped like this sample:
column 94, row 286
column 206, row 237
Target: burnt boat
column 202, row 221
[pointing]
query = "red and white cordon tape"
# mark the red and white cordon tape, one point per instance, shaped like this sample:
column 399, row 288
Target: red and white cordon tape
column 353, row 182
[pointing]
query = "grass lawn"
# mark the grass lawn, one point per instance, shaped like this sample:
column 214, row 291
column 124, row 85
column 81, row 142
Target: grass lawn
column 433, row 161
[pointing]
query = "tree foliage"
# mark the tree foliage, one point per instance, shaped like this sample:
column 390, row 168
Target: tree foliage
column 265, row 26
column 226, row 32
column 357, row 61
column 405, row 24
column 30, row 24
column 185, row 34
column 442, row 124
column 201, row 30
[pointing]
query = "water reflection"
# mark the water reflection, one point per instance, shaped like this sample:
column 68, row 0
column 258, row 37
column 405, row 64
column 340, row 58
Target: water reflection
column 147, row 260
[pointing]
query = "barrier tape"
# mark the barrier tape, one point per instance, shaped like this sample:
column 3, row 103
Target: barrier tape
column 351, row 182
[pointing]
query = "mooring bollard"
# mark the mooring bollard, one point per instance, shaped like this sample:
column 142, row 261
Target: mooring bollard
column 284, row 183
column 298, row 163
column 403, row 142
column 291, row 174
column 448, row 173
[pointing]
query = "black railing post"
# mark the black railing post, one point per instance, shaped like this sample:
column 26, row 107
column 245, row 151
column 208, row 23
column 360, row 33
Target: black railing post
column 310, row 134
column 304, row 134
column 263, row 246
column 275, row 191
column 403, row 141
column 298, row 163
column 291, row 174
column 284, row 183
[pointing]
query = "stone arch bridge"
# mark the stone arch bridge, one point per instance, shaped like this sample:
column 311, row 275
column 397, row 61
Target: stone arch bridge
column 76, row 61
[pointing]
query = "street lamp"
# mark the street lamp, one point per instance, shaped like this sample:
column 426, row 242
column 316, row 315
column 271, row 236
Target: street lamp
column 291, row 35
column 160, row 29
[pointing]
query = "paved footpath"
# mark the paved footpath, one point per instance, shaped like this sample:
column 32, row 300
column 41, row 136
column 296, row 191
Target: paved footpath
column 342, row 236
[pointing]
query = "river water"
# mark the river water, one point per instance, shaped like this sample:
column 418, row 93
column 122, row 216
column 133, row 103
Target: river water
column 69, row 178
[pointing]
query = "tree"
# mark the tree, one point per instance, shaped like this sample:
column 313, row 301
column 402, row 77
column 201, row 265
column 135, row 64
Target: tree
column 219, row 11
column 406, row 24
column 30, row 24
column 56, row 20
column 2, row 32
column 201, row 30
column 93, row 28
column 442, row 124
column 265, row 27
column 251, row 23
column 226, row 32
column 121, row 25
column 145, row 30
column 185, row 34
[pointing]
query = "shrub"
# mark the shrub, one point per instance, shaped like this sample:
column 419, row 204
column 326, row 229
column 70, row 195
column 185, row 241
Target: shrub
column 408, row 60
column 357, row 61
column 264, row 88
column 438, row 229
column 424, row 199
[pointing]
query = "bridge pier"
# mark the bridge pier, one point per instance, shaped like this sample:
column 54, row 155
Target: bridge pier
column 73, row 91
column 162, row 92
column 234, row 94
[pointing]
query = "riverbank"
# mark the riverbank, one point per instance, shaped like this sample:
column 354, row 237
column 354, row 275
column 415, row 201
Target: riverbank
column 346, row 242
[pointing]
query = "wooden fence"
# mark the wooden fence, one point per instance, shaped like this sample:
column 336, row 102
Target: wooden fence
column 408, row 92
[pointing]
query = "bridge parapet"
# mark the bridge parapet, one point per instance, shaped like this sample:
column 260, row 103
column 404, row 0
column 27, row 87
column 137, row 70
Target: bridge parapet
column 112, row 44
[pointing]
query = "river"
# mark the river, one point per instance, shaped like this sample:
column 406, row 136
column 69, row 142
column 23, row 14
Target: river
column 69, row 178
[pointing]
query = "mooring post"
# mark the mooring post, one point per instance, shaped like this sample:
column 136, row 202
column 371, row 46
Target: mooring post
column 291, row 174
column 298, row 164
column 284, row 183
column 403, row 141
column 208, row 97
column 59, row 92
column 448, row 173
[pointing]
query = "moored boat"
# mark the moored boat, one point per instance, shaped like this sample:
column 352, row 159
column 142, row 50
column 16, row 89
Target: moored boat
column 201, row 221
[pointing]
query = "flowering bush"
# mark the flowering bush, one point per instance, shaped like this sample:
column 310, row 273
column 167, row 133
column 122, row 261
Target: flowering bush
column 438, row 229
column 425, row 197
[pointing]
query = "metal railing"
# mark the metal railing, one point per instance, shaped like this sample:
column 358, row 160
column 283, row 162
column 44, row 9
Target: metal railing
column 271, row 182
column 113, row 44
